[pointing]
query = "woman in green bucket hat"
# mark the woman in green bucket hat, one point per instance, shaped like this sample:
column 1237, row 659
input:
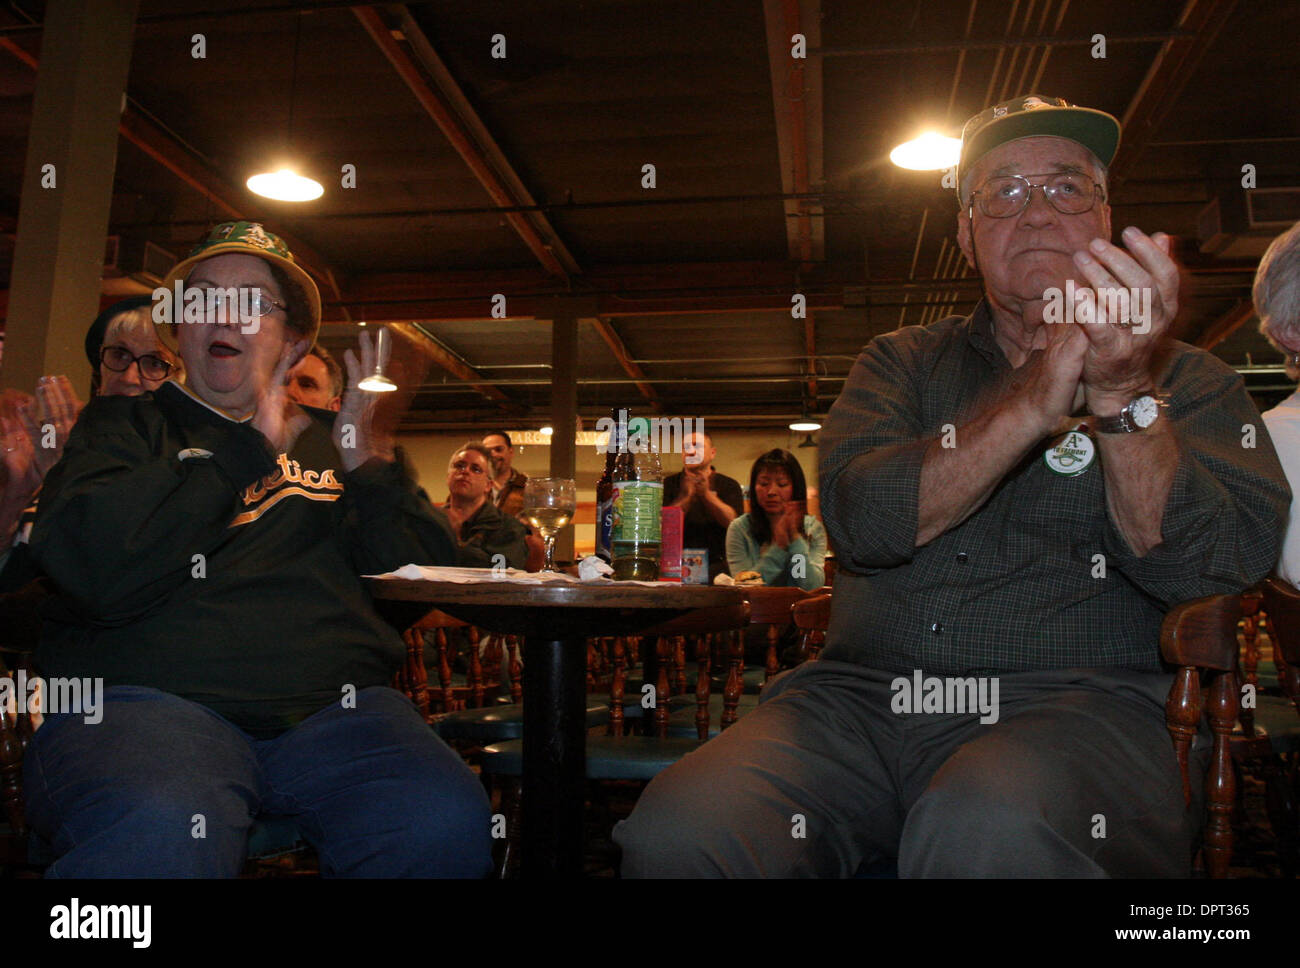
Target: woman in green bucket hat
column 206, row 542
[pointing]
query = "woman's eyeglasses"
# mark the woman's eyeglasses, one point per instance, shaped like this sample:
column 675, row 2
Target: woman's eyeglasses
column 119, row 360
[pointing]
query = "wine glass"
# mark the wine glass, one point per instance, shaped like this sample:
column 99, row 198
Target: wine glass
column 549, row 505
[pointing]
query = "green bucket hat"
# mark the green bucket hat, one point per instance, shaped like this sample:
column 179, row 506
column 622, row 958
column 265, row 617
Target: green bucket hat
column 1031, row 115
column 243, row 238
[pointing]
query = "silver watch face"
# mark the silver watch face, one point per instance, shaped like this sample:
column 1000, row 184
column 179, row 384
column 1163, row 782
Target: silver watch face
column 1143, row 412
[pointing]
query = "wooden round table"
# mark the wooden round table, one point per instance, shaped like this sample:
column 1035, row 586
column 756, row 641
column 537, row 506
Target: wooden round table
column 555, row 620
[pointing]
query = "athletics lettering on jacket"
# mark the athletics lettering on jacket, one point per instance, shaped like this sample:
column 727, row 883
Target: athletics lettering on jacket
column 289, row 481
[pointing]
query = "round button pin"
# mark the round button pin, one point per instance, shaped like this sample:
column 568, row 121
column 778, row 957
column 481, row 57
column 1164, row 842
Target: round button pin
column 1072, row 456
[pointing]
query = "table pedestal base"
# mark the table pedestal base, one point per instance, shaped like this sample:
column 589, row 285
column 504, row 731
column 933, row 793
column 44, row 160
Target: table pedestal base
column 555, row 742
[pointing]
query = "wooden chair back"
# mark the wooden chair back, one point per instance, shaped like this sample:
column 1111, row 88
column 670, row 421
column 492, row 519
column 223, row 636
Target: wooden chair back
column 1282, row 605
column 671, row 637
column 771, row 607
column 812, row 617
column 486, row 656
column 1200, row 639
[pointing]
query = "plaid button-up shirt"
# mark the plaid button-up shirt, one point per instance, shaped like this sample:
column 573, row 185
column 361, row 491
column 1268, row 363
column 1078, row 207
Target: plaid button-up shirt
column 1018, row 585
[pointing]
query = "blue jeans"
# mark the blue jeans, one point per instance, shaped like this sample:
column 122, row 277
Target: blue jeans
column 164, row 787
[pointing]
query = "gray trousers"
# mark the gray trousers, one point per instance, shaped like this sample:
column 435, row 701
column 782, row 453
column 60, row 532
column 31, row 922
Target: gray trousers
column 1076, row 778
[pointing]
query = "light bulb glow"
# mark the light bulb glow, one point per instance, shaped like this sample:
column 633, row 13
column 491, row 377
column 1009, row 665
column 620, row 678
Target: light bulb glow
column 377, row 383
column 930, row 151
column 547, row 430
column 285, row 185
column 805, row 426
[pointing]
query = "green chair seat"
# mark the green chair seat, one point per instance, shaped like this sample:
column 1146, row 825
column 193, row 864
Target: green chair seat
column 608, row 757
column 1279, row 719
column 681, row 721
column 1267, row 674
column 495, row 723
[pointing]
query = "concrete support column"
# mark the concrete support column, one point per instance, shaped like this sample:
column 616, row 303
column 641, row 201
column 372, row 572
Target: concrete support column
column 565, row 314
column 67, row 189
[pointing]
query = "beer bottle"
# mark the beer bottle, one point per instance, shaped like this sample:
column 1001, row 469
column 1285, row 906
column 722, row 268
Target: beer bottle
column 638, row 500
column 605, row 494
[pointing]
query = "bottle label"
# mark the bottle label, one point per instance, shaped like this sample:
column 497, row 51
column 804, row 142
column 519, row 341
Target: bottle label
column 605, row 528
column 637, row 505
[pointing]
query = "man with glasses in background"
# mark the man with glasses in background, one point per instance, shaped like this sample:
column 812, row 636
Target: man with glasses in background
column 1015, row 497
column 485, row 537
column 317, row 380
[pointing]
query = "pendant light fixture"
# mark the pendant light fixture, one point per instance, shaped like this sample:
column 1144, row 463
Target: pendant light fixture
column 930, row 151
column 378, row 381
column 285, row 184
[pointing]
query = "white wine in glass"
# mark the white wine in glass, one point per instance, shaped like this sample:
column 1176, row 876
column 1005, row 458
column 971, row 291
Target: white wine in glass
column 549, row 506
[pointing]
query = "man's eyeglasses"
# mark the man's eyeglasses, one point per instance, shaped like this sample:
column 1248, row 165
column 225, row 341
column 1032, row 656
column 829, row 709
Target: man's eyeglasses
column 464, row 465
column 240, row 304
column 1069, row 192
column 119, row 360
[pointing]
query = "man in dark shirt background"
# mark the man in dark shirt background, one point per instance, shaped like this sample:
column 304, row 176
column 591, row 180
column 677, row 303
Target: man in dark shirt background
column 709, row 500
column 507, row 483
column 482, row 532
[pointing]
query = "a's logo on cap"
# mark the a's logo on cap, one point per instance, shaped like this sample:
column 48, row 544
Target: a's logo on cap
column 999, row 111
column 223, row 231
column 256, row 235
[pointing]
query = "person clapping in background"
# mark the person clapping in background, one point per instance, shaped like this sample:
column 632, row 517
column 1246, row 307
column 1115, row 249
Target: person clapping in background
column 778, row 538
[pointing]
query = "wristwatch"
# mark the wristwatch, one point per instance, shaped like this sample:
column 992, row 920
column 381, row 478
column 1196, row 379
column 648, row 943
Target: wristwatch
column 1140, row 413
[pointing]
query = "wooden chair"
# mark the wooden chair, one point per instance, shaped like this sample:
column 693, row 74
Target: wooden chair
column 1281, row 604
column 616, row 756
column 1202, row 639
column 771, row 607
column 1199, row 638
column 472, row 723
column 812, row 617
column 447, row 695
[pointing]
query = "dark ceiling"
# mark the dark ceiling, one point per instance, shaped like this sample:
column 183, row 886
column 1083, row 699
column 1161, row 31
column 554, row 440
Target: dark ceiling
column 523, row 175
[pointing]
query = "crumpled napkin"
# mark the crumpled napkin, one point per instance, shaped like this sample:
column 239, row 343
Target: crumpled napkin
column 593, row 567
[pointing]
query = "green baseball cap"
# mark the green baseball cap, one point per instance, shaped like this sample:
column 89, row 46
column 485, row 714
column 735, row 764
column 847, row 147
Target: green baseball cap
column 1032, row 115
column 243, row 238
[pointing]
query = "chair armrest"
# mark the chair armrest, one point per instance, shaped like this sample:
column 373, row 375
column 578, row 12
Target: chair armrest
column 1202, row 633
column 1199, row 637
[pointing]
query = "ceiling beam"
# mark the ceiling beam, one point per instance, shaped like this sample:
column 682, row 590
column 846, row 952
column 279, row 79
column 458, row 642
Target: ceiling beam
column 609, row 307
column 1174, row 64
column 1227, row 324
column 607, row 332
column 427, row 77
column 770, row 279
column 797, row 101
column 440, row 356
